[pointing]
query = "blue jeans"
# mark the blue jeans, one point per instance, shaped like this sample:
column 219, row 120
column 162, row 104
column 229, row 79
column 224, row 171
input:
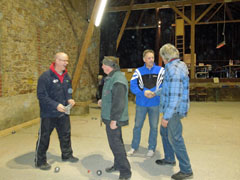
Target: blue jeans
column 153, row 115
column 173, row 143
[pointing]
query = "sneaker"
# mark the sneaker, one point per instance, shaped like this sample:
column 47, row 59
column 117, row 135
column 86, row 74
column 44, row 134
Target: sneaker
column 111, row 169
column 164, row 162
column 44, row 166
column 182, row 176
column 131, row 152
column 71, row 159
column 150, row 153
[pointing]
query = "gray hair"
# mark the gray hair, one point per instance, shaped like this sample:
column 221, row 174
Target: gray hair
column 168, row 52
column 111, row 61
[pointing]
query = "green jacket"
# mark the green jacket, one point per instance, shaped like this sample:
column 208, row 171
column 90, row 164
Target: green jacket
column 115, row 107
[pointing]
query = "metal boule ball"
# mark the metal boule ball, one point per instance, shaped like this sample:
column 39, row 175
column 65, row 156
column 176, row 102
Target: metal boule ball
column 99, row 172
column 57, row 169
column 13, row 132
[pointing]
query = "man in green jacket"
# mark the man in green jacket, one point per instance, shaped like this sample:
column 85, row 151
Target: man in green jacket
column 114, row 114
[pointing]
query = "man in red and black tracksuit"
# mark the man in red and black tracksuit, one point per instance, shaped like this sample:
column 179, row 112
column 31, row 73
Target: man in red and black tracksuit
column 54, row 92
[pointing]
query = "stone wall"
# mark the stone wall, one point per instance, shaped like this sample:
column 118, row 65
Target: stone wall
column 31, row 32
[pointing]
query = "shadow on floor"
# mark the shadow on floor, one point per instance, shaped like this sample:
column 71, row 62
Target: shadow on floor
column 147, row 166
column 95, row 162
column 27, row 161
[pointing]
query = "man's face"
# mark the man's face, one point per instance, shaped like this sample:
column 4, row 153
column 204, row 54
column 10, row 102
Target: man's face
column 149, row 59
column 61, row 62
column 106, row 69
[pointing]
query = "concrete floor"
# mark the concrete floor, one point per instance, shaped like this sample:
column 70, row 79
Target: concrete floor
column 211, row 131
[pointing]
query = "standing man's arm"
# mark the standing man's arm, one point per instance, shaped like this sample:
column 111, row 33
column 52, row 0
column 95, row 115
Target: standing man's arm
column 119, row 91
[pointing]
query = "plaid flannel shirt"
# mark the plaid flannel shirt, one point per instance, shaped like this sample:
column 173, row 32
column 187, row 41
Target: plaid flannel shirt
column 175, row 90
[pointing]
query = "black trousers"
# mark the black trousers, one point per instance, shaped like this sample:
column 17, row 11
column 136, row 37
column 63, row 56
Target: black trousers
column 117, row 146
column 62, row 125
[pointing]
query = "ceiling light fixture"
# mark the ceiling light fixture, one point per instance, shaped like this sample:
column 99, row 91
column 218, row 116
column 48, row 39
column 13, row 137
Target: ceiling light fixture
column 100, row 12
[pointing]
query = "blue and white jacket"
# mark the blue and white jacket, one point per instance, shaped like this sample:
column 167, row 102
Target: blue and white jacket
column 146, row 79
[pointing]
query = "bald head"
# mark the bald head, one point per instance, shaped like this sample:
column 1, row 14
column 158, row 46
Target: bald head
column 61, row 55
column 61, row 61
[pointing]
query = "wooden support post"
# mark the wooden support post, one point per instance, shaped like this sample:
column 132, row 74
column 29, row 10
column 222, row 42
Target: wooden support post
column 192, row 41
column 85, row 45
column 158, row 38
column 124, row 24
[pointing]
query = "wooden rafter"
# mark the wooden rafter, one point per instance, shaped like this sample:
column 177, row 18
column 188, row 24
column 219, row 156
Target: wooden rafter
column 181, row 14
column 229, row 12
column 84, row 48
column 140, row 18
column 166, row 4
column 199, row 23
column 217, row 22
column 124, row 24
column 140, row 27
column 213, row 14
column 205, row 12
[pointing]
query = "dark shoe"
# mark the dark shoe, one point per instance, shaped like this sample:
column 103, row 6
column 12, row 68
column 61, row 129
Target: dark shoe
column 111, row 169
column 44, row 166
column 182, row 176
column 71, row 159
column 164, row 162
column 124, row 177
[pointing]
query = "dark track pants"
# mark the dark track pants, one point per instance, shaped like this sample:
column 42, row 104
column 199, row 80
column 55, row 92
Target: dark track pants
column 116, row 144
column 62, row 125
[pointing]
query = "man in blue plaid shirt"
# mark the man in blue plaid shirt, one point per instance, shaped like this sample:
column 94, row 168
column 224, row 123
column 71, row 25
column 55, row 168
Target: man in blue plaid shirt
column 174, row 105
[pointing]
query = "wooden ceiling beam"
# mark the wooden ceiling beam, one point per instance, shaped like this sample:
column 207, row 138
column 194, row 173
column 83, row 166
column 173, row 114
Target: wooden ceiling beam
column 205, row 12
column 86, row 42
column 202, row 23
column 229, row 13
column 124, row 24
column 140, row 19
column 216, row 22
column 166, row 4
column 213, row 14
column 140, row 27
column 181, row 14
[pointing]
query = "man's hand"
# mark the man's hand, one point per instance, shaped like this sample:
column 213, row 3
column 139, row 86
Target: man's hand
column 100, row 102
column 113, row 124
column 164, row 123
column 149, row 94
column 71, row 101
column 61, row 108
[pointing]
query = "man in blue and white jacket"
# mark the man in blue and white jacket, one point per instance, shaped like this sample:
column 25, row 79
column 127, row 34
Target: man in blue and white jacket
column 145, row 81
